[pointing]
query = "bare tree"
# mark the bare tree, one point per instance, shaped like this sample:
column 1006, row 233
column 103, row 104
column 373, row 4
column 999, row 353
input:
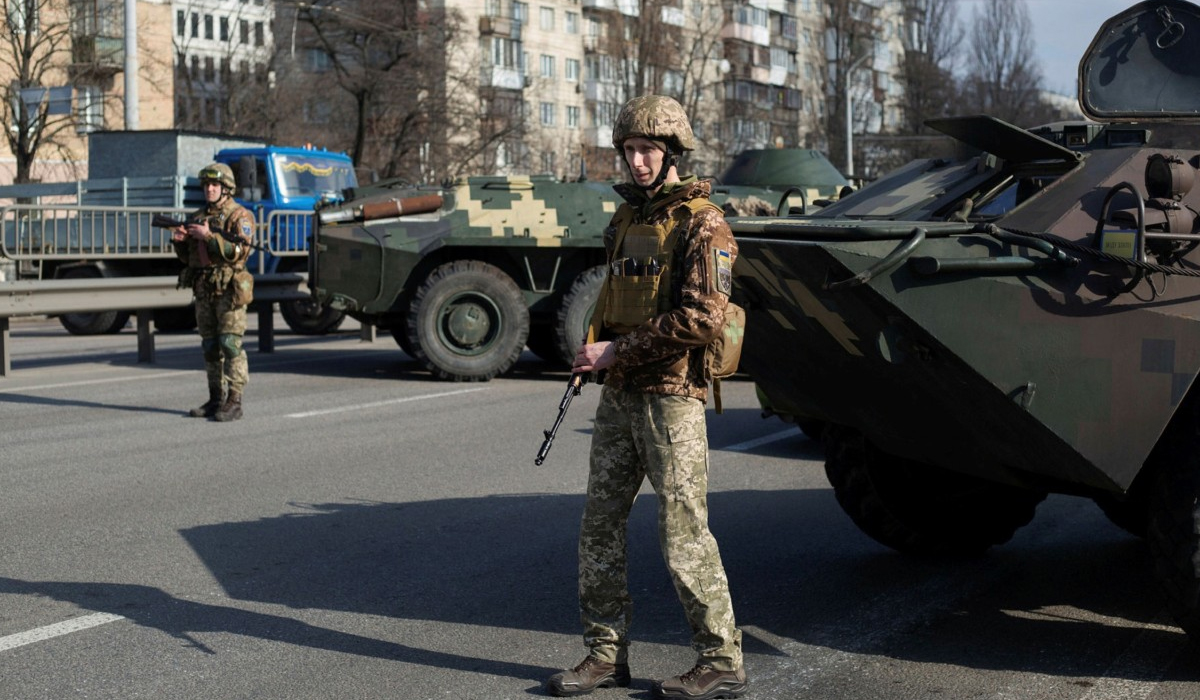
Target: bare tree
column 849, row 39
column 1003, row 78
column 36, row 45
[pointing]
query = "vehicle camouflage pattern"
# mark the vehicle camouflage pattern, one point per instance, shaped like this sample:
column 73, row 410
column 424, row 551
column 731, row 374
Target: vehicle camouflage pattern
column 971, row 334
column 466, row 277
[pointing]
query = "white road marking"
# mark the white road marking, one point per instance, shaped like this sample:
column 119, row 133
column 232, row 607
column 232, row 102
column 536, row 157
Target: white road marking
column 759, row 441
column 58, row 629
column 376, row 404
column 107, row 380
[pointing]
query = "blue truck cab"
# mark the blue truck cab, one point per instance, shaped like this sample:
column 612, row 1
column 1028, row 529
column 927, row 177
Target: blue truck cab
column 281, row 185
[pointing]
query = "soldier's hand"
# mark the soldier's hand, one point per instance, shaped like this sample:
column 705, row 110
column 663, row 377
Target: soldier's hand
column 199, row 231
column 178, row 234
column 594, row 356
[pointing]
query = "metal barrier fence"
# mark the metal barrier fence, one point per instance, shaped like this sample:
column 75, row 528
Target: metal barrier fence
column 144, row 294
column 62, row 232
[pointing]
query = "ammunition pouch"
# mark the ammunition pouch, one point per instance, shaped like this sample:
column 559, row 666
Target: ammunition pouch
column 243, row 287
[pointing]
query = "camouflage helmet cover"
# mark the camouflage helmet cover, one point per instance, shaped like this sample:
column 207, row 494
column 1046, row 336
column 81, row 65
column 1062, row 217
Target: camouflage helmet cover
column 218, row 172
column 656, row 117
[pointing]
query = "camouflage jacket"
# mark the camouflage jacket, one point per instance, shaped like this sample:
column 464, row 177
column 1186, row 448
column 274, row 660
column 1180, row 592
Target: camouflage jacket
column 231, row 223
column 665, row 354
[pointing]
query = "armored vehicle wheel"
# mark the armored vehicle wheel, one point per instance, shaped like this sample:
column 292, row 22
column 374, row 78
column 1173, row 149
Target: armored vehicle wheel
column 95, row 323
column 468, row 321
column 920, row 509
column 307, row 317
column 576, row 312
column 1174, row 533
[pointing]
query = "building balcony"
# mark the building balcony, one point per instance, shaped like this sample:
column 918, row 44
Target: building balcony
column 97, row 55
column 760, row 36
column 501, row 77
column 500, row 26
column 628, row 8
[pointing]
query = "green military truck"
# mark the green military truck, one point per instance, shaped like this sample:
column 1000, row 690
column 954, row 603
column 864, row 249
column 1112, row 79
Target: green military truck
column 972, row 334
column 466, row 277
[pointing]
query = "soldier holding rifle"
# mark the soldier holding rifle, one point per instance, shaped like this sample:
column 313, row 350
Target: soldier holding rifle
column 663, row 303
column 214, row 245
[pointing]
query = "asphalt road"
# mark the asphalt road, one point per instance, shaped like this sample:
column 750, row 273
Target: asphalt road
column 368, row 532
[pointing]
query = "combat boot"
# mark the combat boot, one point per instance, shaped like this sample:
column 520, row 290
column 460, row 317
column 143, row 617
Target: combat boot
column 591, row 673
column 231, row 409
column 216, row 396
column 704, row 683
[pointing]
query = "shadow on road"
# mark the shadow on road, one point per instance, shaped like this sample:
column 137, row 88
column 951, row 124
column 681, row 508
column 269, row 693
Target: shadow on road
column 797, row 569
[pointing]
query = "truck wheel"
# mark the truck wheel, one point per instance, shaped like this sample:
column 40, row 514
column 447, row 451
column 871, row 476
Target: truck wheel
column 95, row 323
column 307, row 317
column 575, row 312
column 1174, row 537
column 919, row 509
column 468, row 322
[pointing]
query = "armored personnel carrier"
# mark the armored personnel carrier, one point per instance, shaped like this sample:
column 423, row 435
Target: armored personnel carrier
column 975, row 333
column 465, row 277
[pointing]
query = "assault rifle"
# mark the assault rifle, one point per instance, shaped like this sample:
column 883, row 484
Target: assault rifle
column 164, row 221
column 573, row 388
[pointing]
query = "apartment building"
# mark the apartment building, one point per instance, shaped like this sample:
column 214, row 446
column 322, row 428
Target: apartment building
column 76, row 81
column 222, row 52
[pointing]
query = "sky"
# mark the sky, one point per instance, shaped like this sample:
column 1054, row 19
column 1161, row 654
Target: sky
column 1062, row 31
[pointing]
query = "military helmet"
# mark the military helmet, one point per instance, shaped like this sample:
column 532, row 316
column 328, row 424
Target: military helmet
column 218, row 172
column 656, row 117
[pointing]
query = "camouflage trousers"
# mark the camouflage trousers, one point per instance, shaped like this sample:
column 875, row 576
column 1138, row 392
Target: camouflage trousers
column 662, row 438
column 221, row 326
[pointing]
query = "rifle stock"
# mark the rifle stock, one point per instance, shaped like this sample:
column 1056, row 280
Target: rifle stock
column 574, row 387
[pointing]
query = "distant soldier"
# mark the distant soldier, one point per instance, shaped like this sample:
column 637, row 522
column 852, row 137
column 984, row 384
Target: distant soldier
column 670, row 258
column 214, row 244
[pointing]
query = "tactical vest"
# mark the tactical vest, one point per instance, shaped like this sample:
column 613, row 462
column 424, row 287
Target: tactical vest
column 638, row 285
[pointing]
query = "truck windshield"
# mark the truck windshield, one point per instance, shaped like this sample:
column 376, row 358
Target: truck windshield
column 313, row 176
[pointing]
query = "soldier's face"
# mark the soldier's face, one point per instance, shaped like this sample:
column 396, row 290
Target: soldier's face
column 644, row 158
column 212, row 191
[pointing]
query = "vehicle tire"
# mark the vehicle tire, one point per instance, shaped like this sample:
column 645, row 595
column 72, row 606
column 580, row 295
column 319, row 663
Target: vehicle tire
column 920, row 509
column 177, row 319
column 575, row 312
column 1173, row 533
column 307, row 317
column 96, row 322
column 468, row 322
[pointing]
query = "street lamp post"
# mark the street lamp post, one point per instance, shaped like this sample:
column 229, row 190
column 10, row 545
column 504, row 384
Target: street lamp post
column 850, row 115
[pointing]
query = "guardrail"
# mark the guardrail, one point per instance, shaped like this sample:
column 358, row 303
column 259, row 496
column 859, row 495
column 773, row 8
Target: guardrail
column 143, row 294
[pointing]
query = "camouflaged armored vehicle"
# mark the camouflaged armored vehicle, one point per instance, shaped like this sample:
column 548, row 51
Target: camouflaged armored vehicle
column 466, row 277
column 976, row 333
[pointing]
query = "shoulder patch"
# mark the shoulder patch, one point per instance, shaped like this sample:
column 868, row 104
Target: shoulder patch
column 723, row 271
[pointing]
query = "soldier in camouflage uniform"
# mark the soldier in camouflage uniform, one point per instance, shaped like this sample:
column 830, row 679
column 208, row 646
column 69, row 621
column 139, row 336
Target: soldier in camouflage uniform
column 670, row 260
column 214, row 244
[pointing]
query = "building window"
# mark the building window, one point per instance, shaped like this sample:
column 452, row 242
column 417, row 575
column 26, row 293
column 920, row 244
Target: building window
column 258, row 34
column 89, row 108
column 520, row 12
column 180, row 22
column 244, row 30
column 572, row 74
column 547, row 114
column 548, row 162
column 491, row 8
column 208, row 26
column 22, row 15
column 318, row 61
column 224, row 29
column 210, row 72
column 317, row 111
column 573, row 117
column 195, row 25
column 571, row 22
column 547, row 66
column 546, row 19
